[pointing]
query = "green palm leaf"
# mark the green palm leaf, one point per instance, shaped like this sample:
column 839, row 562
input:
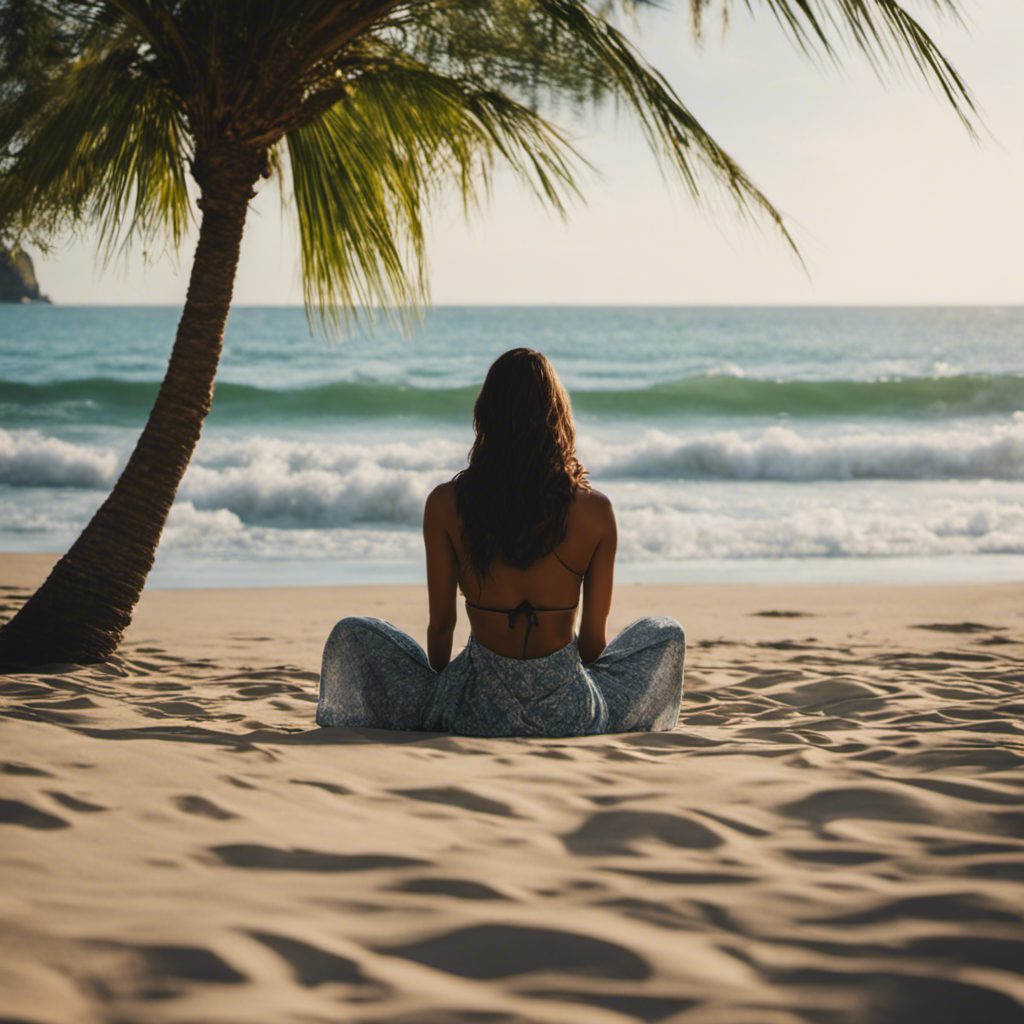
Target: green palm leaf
column 108, row 152
column 883, row 30
column 363, row 172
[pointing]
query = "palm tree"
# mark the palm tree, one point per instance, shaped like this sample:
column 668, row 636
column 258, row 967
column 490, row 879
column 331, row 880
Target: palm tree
column 365, row 109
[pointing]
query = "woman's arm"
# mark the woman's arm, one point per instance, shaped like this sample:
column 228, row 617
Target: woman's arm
column 442, row 574
column 597, row 584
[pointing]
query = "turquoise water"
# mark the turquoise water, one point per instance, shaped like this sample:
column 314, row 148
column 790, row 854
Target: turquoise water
column 737, row 444
column 110, row 400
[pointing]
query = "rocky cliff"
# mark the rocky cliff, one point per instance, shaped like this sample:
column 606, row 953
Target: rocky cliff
column 18, row 277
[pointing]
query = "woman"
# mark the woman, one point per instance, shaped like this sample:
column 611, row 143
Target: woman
column 517, row 531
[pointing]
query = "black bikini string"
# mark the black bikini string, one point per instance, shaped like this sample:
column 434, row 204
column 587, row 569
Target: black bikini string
column 527, row 609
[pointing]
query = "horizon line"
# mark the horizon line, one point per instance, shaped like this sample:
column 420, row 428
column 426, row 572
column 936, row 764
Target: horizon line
column 910, row 304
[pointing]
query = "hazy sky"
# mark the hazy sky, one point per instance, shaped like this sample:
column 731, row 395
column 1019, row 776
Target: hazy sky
column 889, row 199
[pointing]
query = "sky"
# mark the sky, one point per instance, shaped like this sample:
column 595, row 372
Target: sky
column 889, row 199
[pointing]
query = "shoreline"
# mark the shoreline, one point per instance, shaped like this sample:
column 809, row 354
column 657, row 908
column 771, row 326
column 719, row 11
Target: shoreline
column 298, row 618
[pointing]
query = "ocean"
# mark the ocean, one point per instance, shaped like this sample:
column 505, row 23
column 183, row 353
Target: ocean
column 737, row 444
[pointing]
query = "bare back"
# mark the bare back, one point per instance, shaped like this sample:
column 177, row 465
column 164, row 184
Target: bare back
column 588, row 550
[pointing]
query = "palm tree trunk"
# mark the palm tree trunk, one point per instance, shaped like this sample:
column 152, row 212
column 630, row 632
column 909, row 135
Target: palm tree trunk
column 82, row 610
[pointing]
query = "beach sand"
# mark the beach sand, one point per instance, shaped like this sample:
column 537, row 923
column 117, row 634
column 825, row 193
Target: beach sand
column 833, row 833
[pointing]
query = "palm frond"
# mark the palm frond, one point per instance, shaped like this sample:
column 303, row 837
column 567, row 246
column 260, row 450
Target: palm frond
column 353, row 219
column 364, row 172
column 108, row 153
column 884, row 31
column 673, row 133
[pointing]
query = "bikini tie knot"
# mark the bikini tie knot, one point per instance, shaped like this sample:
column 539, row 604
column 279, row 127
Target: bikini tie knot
column 527, row 609
column 523, row 608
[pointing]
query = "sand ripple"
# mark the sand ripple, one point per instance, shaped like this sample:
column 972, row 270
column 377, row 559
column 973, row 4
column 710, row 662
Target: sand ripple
column 831, row 835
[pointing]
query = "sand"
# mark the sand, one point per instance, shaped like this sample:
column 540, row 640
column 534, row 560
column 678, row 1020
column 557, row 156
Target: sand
column 833, row 833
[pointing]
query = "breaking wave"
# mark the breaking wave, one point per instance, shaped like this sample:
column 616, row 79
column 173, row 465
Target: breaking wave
column 266, row 496
column 303, row 484
column 783, row 454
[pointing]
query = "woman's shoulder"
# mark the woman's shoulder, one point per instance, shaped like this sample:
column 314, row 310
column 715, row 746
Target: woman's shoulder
column 592, row 503
column 592, row 512
column 440, row 503
column 440, row 519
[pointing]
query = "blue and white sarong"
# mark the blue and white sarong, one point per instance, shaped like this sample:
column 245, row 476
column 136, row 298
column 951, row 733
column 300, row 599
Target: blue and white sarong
column 375, row 676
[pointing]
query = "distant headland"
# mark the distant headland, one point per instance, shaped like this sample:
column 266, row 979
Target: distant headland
column 18, row 277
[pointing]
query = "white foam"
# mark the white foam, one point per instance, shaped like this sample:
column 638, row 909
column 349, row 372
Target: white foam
column 272, row 482
column 30, row 459
column 222, row 532
column 775, row 493
column 803, row 524
column 781, row 453
column 269, row 479
column 797, row 528
column 335, row 456
column 269, row 493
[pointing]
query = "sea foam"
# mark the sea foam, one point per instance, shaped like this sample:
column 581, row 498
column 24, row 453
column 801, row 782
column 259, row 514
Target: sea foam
column 782, row 525
column 276, row 481
column 782, row 453
column 30, row 459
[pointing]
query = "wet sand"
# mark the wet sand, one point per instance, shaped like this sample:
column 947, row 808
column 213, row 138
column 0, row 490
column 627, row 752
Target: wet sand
column 833, row 833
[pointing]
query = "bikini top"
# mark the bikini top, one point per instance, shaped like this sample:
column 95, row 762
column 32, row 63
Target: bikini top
column 528, row 609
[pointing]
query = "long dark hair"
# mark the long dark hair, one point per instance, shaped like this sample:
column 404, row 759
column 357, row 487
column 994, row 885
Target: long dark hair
column 514, row 496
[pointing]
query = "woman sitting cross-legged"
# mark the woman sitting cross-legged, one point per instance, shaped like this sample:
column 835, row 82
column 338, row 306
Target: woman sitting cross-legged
column 521, row 533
